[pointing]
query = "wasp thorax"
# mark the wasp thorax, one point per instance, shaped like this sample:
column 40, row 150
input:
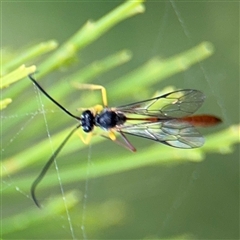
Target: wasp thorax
column 109, row 119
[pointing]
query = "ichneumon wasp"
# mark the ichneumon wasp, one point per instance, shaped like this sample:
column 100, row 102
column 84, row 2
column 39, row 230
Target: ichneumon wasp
column 166, row 119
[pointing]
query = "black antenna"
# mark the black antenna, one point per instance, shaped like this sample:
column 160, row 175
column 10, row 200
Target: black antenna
column 53, row 100
column 47, row 166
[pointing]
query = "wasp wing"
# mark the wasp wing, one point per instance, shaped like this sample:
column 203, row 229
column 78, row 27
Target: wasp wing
column 175, row 104
column 173, row 132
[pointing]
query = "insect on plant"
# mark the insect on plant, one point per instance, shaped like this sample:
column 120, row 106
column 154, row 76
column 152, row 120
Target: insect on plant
column 166, row 119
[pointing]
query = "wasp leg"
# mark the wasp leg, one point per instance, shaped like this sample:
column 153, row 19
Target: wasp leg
column 96, row 109
column 93, row 87
column 86, row 140
column 83, row 109
column 127, row 144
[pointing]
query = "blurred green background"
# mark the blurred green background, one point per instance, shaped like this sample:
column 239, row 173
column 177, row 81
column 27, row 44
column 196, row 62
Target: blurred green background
column 176, row 201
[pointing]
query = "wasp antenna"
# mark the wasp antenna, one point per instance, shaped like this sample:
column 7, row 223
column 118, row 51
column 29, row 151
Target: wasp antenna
column 53, row 100
column 47, row 166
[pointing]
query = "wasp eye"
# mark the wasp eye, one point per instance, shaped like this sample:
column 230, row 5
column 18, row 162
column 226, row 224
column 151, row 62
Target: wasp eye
column 87, row 128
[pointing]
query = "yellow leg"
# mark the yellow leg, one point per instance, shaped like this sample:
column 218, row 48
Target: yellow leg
column 93, row 87
column 86, row 140
column 112, row 135
column 96, row 109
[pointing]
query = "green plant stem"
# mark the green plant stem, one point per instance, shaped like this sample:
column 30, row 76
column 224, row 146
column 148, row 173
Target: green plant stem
column 156, row 70
column 99, row 67
column 225, row 139
column 26, row 218
column 16, row 75
column 5, row 102
column 88, row 33
column 30, row 54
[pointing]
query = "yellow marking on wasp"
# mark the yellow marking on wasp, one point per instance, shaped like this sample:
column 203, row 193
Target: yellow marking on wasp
column 93, row 87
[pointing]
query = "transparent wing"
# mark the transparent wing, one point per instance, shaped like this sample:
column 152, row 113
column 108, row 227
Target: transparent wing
column 175, row 133
column 175, row 104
